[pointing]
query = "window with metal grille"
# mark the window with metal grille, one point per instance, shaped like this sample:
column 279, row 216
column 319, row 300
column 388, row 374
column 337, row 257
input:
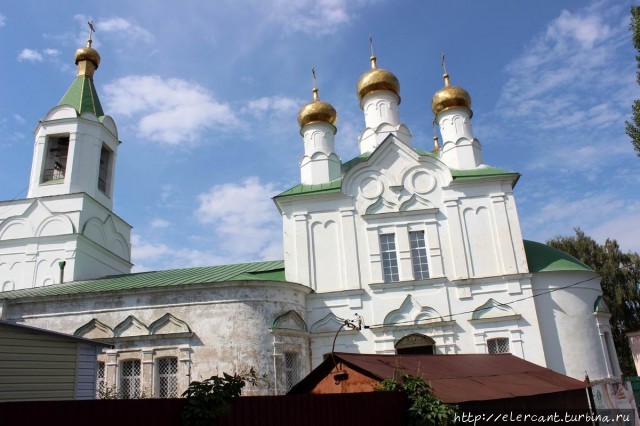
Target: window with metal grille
column 498, row 346
column 100, row 379
column 130, row 378
column 291, row 369
column 419, row 255
column 168, row 378
column 389, row 258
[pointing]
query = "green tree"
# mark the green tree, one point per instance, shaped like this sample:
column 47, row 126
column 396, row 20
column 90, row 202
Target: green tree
column 633, row 126
column 211, row 399
column 620, row 273
column 424, row 409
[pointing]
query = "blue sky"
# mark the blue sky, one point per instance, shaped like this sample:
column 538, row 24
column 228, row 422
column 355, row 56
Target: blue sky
column 205, row 95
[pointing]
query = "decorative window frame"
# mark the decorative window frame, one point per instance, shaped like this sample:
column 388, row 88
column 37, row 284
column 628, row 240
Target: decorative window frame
column 400, row 224
column 290, row 335
column 495, row 320
column 496, row 339
column 148, row 357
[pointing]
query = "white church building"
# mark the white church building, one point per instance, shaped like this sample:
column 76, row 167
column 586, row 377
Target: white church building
column 423, row 249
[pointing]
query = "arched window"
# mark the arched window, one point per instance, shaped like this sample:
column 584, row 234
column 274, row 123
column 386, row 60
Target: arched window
column 130, row 378
column 168, row 377
column 416, row 344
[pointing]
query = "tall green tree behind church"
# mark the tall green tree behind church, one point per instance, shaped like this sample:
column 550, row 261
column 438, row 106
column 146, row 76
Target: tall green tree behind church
column 620, row 274
column 633, row 126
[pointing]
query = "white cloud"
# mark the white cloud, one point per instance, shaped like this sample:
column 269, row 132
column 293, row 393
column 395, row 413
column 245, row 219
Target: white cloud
column 51, row 52
column 160, row 223
column 564, row 77
column 244, row 216
column 3, row 20
column 624, row 228
column 30, row 55
column 152, row 255
column 170, row 111
column 276, row 106
column 123, row 28
column 316, row 17
column 19, row 119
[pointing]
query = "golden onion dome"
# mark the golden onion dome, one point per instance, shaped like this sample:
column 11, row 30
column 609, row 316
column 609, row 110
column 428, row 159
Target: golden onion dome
column 317, row 111
column 88, row 53
column 450, row 97
column 377, row 79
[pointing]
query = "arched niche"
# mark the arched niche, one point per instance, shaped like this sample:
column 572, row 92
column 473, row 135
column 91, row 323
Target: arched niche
column 415, row 344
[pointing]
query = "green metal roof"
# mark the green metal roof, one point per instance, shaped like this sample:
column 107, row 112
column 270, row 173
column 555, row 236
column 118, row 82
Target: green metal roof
column 83, row 97
column 480, row 172
column 322, row 188
column 544, row 258
column 256, row 271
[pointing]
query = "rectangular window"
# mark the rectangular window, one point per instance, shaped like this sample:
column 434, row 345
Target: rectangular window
column 498, row 346
column 389, row 258
column 419, row 255
column 168, row 378
column 100, row 380
column 55, row 162
column 291, row 369
column 105, row 165
column 130, row 379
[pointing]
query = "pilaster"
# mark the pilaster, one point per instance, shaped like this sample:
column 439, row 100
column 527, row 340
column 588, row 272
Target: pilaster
column 456, row 240
column 351, row 256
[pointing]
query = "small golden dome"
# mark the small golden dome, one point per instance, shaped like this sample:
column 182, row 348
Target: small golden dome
column 377, row 79
column 450, row 97
column 317, row 111
column 88, row 53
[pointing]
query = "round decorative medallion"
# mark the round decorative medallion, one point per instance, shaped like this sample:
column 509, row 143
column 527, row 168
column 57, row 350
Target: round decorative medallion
column 371, row 188
column 423, row 182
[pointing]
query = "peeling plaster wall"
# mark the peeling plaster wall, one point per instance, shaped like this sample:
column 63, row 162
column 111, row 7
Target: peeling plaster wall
column 230, row 324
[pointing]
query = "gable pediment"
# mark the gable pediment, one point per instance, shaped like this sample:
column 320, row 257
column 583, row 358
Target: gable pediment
column 94, row 329
column 395, row 178
column 290, row 320
column 330, row 323
column 492, row 309
column 168, row 324
column 131, row 326
column 411, row 312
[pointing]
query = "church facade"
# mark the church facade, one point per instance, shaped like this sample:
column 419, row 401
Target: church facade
column 398, row 250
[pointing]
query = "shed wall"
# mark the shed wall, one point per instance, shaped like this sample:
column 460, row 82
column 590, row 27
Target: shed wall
column 36, row 366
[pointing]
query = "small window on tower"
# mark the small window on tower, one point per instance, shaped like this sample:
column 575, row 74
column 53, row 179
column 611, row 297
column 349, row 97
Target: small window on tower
column 104, row 174
column 55, row 163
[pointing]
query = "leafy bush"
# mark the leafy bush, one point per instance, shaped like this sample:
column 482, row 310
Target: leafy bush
column 424, row 409
column 210, row 399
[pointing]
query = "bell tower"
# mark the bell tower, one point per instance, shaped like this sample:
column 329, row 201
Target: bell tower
column 76, row 144
column 65, row 229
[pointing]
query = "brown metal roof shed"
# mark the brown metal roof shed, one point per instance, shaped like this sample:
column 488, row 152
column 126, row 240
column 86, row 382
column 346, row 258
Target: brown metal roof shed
column 454, row 378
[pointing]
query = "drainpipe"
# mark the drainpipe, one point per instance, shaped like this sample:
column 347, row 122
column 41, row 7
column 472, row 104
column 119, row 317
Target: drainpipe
column 62, row 264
